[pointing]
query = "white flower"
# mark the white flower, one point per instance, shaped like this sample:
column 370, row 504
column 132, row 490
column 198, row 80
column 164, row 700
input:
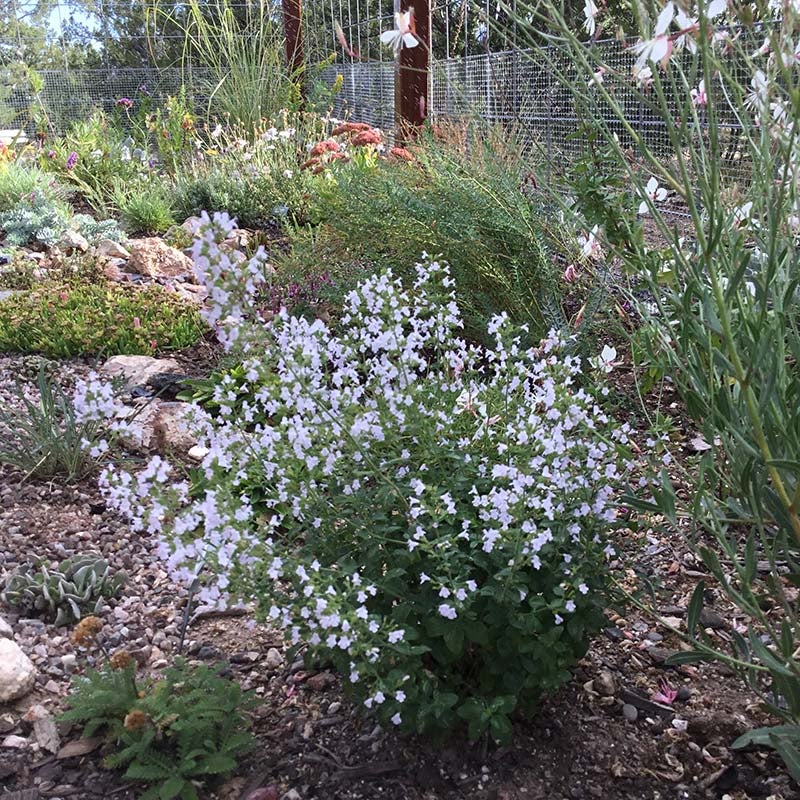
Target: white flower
column 397, row 719
column 401, row 34
column 643, row 76
column 590, row 13
column 589, row 244
column 742, row 214
column 659, row 48
column 716, row 7
column 447, row 611
column 597, row 78
column 217, row 132
column 606, row 360
column 654, row 193
column 757, row 99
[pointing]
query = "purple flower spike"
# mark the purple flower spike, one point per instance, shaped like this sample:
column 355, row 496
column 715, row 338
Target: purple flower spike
column 72, row 160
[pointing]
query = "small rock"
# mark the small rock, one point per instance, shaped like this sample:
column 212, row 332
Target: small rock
column 334, row 708
column 72, row 240
column 264, row 793
column 15, row 742
column 108, row 248
column 320, row 681
column 672, row 622
column 274, row 659
column 615, row 634
column 292, row 794
column 6, row 631
column 68, row 661
column 44, row 728
column 710, row 619
column 655, row 637
column 17, row 673
column 630, row 712
column 604, row 684
column 684, row 694
column 198, row 453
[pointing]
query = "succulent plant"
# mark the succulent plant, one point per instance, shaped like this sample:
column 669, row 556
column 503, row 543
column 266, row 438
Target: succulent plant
column 79, row 586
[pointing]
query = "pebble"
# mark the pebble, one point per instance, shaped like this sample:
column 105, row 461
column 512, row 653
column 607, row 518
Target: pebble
column 274, row 658
column 292, row 794
column 684, row 693
column 68, row 660
column 655, row 637
column 615, row 634
column 604, row 684
column 334, row 708
column 630, row 712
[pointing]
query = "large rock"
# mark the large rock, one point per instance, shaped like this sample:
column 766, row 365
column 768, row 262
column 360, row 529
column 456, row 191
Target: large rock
column 138, row 370
column 163, row 427
column 172, row 429
column 17, row 673
column 154, row 258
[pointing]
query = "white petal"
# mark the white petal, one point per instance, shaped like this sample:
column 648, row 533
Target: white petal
column 409, row 40
column 665, row 19
column 643, row 208
column 661, row 194
column 716, row 7
column 660, row 50
column 388, row 37
column 652, row 185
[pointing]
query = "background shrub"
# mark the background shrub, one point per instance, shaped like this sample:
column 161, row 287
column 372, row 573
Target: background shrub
column 20, row 181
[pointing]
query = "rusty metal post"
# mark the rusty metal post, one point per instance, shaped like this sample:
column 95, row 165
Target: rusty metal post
column 293, row 31
column 411, row 84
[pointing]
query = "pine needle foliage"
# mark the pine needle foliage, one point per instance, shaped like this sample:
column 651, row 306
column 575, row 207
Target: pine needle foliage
column 172, row 734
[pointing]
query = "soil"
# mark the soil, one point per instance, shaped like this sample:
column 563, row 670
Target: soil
column 313, row 743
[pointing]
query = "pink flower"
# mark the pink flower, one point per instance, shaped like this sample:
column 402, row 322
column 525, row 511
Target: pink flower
column 665, row 694
column 699, row 96
column 137, row 322
column 570, row 274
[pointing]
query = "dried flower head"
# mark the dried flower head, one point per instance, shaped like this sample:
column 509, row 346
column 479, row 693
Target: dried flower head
column 122, row 659
column 86, row 630
column 135, row 720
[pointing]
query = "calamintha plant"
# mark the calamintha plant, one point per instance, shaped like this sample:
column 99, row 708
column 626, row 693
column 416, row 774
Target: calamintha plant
column 429, row 516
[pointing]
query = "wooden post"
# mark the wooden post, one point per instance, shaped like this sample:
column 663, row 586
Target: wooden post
column 293, row 30
column 411, row 86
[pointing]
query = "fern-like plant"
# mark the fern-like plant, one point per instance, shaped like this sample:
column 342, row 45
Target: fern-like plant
column 173, row 734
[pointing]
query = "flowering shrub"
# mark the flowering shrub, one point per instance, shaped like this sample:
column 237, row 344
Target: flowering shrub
column 426, row 515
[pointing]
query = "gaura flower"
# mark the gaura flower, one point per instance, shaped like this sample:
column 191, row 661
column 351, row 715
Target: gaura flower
column 590, row 246
column 665, row 694
column 590, row 14
column 570, row 274
column 699, row 96
column 659, row 48
column 403, row 32
column 654, row 193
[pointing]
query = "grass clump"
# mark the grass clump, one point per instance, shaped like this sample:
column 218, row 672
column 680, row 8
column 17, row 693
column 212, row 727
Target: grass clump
column 65, row 321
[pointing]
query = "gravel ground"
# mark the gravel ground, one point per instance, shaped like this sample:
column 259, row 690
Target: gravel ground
column 597, row 738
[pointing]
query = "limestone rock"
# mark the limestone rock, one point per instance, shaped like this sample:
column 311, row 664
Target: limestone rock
column 154, row 258
column 5, row 630
column 108, row 248
column 137, row 370
column 17, row 673
column 72, row 240
column 172, row 430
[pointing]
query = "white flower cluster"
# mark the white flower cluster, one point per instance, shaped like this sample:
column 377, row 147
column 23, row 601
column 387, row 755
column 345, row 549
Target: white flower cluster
column 402, row 479
column 94, row 401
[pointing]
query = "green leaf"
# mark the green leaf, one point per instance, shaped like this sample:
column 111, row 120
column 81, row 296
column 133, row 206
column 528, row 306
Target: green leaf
column 761, row 736
column 171, row 788
column 687, row 657
column 790, row 754
column 695, row 607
